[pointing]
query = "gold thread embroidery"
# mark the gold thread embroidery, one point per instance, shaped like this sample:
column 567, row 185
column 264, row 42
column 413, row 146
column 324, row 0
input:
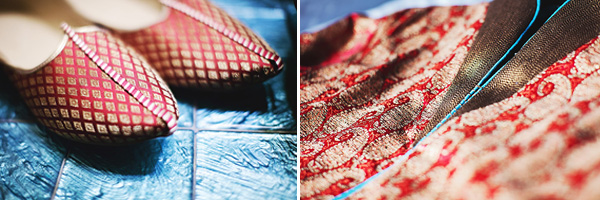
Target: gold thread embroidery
column 75, row 114
column 87, row 115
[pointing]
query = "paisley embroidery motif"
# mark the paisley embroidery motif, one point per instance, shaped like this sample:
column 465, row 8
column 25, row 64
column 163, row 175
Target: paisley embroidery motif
column 542, row 139
column 368, row 90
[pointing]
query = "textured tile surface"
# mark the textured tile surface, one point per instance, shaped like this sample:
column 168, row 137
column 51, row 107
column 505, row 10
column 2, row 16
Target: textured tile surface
column 259, row 107
column 156, row 169
column 29, row 162
column 245, row 166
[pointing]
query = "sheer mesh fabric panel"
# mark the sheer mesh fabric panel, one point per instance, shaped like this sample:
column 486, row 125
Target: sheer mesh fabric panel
column 504, row 23
column 575, row 24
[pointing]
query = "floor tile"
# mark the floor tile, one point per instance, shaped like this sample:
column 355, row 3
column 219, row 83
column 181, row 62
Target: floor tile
column 156, row 169
column 261, row 107
column 30, row 161
column 245, row 166
column 186, row 114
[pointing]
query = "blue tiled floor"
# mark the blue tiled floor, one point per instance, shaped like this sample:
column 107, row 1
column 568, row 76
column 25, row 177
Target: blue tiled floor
column 30, row 161
column 227, row 146
column 245, row 166
column 160, row 168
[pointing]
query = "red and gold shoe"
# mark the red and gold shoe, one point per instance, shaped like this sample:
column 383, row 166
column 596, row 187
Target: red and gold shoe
column 199, row 45
column 98, row 91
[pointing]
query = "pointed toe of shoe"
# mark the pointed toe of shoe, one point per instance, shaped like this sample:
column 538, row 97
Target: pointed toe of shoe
column 98, row 91
column 201, row 46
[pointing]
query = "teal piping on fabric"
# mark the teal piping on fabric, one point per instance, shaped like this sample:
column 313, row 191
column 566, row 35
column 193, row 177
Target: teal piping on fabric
column 484, row 81
column 488, row 76
column 489, row 79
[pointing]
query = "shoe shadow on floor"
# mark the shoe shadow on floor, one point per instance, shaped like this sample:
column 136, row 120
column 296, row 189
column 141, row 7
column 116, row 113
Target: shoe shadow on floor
column 22, row 127
column 257, row 107
column 137, row 159
column 142, row 158
column 252, row 98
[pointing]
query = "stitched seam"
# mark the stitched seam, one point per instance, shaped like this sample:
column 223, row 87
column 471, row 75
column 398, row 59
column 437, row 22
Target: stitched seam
column 223, row 30
column 165, row 115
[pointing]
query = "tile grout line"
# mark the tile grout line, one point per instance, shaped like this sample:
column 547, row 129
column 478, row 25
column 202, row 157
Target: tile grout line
column 193, row 197
column 60, row 172
column 195, row 130
column 194, row 167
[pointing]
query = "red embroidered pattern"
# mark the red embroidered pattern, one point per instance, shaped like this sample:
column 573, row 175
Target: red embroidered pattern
column 361, row 108
column 200, row 45
column 541, row 143
column 131, row 89
column 227, row 32
column 76, row 99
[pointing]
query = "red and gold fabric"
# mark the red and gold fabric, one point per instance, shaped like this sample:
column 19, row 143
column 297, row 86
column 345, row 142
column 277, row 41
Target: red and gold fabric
column 369, row 94
column 201, row 46
column 362, row 109
column 98, row 90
